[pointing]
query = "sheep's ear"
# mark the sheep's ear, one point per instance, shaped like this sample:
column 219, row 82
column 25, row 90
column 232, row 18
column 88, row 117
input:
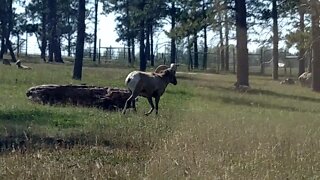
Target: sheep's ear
column 167, row 71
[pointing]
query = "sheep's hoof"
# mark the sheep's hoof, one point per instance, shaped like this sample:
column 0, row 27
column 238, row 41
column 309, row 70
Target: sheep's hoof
column 148, row 113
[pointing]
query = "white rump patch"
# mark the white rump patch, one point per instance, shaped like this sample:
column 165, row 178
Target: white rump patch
column 132, row 80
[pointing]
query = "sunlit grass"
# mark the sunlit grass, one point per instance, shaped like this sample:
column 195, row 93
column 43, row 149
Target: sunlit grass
column 205, row 130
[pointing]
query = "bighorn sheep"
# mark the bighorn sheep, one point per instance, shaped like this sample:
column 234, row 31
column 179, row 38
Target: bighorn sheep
column 149, row 85
column 305, row 79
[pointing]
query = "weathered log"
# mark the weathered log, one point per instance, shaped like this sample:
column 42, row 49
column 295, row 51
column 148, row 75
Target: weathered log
column 79, row 95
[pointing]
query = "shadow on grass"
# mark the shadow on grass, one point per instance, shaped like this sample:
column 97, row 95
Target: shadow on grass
column 264, row 92
column 16, row 136
column 39, row 117
column 24, row 141
column 281, row 95
column 194, row 78
column 256, row 104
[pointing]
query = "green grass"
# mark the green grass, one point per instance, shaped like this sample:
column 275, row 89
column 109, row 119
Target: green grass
column 205, row 130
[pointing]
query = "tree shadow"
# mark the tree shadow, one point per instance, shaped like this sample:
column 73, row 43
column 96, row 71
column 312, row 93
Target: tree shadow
column 28, row 142
column 38, row 117
column 264, row 92
column 257, row 104
column 201, row 79
column 281, row 95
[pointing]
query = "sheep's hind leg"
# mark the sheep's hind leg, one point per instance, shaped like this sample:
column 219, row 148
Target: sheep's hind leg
column 151, row 104
column 129, row 100
column 134, row 105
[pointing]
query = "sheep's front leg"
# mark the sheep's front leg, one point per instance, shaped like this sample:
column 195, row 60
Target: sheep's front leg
column 157, row 99
column 151, row 104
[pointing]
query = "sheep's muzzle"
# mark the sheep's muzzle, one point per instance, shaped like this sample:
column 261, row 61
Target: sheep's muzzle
column 174, row 81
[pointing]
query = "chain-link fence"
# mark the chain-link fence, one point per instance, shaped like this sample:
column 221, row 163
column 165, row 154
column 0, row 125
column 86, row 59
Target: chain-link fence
column 260, row 62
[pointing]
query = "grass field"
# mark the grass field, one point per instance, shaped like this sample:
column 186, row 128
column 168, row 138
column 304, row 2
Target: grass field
column 205, row 130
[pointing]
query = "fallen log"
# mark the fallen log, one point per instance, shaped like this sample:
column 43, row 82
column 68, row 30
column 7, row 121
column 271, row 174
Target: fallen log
column 79, row 95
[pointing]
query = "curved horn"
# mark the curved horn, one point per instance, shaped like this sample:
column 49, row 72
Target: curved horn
column 173, row 67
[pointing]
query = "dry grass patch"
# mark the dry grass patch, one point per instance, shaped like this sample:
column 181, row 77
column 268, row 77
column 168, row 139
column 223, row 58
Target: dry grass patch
column 261, row 134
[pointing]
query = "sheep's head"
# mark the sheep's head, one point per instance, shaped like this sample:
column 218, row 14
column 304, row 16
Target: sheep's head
column 171, row 74
column 173, row 67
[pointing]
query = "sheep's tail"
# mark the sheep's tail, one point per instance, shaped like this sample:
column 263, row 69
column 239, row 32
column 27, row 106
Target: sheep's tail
column 129, row 78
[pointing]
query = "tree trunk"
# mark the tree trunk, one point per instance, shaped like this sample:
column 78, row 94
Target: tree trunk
column 205, row 50
column 9, row 45
column 81, row 27
column 69, row 37
column 88, row 96
column 95, row 30
column 195, row 49
column 221, row 48
column 54, row 40
column 275, row 51
column 142, row 54
column 3, row 45
column 315, row 45
column 302, row 50
column 58, row 56
column 173, row 38
column 128, row 33
column 147, row 50
column 51, row 27
column 133, row 51
column 7, row 27
column 129, row 52
column 190, row 62
column 226, row 26
column 151, row 46
column 43, row 31
column 3, row 31
column 18, row 44
column 242, row 50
